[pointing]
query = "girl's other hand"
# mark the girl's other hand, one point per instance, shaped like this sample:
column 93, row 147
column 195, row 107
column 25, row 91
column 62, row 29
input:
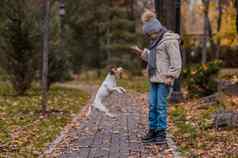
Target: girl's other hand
column 169, row 81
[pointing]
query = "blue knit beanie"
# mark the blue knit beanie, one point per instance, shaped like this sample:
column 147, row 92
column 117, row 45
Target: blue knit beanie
column 152, row 26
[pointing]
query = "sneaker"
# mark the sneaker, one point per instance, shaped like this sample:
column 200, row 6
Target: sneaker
column 159, row 141
column 161, row 133
column 149, row 136
column 158, row 138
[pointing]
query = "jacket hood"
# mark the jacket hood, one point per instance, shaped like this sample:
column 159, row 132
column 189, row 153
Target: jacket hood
column 170, row 36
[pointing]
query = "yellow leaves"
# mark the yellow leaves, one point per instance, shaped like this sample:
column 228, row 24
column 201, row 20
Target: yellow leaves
column 234, row 79
column 15, row 103
column 193, row 72
column 17, row 142
column 3, row 108
column 228, row 28
column 234, row 100
column 205, row 67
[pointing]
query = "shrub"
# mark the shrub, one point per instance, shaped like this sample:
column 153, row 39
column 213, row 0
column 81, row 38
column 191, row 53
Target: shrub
column 58, row 68
column 200, row 79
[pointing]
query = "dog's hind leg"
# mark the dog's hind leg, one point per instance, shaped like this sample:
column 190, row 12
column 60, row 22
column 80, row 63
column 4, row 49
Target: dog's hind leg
column 89, row 111
column 102, row 108
column 110, row 114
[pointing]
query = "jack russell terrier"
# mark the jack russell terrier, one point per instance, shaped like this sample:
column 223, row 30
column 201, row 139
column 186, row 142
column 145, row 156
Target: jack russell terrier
column 108, row 86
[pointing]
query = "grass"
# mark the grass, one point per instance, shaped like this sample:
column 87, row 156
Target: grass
column 24, row 131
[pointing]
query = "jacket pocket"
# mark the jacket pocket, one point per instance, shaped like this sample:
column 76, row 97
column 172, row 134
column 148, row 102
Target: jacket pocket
column 163, row 66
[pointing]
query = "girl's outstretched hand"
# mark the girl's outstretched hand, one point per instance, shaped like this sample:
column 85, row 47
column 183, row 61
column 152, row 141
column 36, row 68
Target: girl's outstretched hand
column 136, row 50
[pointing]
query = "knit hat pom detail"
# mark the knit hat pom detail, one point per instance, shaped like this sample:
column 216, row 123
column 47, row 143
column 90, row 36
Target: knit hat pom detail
column 148, row 16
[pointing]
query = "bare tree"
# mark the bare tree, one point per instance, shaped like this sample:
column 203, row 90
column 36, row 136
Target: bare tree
column 206, row 30
column 62, row 30
column 131, row 8
column 166, row 12
column 46, row 8
column 236, row 7
column 219, row 20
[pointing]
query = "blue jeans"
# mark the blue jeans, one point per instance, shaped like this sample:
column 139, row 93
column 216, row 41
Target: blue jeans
column 158, row 106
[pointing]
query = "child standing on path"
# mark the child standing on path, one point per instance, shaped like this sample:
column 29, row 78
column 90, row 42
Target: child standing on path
column 164, row 66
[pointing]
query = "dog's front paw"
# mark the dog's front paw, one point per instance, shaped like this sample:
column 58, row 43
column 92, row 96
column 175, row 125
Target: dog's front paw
column 122, row 90
column 118, row 90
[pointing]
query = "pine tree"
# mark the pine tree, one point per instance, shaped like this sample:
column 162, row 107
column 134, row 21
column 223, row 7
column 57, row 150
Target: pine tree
column 87, row 23
column 19, row 42
column 101, row 33
column 121, row 35
column 236, row 7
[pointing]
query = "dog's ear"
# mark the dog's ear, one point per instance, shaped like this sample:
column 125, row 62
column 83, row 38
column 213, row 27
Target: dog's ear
column 110, row 69
column 120, row 69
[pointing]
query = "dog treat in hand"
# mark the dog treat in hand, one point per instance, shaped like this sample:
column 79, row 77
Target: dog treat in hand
column 136, row 49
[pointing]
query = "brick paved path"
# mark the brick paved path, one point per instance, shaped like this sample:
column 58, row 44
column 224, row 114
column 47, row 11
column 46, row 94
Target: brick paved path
column 102, row 137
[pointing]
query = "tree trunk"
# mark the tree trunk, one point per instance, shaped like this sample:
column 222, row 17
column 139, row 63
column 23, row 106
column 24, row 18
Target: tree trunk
column 210, row 37
column 46, row 8
column 62, row 30
column 63, row 55
column 184, row 54
column 131, row 9
column 108, row 44
column 108, row 36
column 236, row 7
column 219, row 20
column 205, row 30
column 166, row 13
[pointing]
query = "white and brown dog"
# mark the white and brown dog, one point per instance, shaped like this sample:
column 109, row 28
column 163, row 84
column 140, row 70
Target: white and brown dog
column 108, row 86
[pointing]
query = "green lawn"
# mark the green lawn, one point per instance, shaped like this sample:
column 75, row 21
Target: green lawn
column 24, row 132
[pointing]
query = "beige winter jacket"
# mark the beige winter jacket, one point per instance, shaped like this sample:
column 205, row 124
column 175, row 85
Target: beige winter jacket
column 168, row 58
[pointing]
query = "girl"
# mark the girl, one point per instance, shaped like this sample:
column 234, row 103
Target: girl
column 164, row 66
